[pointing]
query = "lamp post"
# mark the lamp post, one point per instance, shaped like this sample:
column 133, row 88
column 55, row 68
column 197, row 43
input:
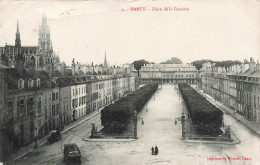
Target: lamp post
column 183, row 124
column 136, row 118
column 182, row 119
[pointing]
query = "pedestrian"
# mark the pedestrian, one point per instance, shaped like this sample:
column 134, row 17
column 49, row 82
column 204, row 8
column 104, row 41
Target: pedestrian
column 152, row 151
column 156, row 150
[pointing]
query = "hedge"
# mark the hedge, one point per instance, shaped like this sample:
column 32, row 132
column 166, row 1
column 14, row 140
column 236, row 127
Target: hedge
column 119, row 114
column 207, row 117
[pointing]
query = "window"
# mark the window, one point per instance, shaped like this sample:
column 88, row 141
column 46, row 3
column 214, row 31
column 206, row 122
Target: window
column 57, row 109
column 53, row 96
column 21, row 109
column 38, row 82
column 10, row 112
column 30, row 83
column 30, row 106
column 57, row 96
column 39, row 104
column 53, row 110
column 20, row 84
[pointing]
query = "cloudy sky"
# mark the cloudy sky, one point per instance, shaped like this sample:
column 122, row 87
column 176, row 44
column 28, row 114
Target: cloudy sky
column 84, row 30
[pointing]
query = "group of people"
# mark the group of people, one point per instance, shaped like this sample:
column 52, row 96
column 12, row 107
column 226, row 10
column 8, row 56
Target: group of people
column 155, row 150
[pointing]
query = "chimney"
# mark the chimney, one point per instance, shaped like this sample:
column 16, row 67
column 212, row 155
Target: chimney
column 252, row 64
column 77, row 68
column 257, row 66
column 73, row 67
column 245, row 66
column 63, row 69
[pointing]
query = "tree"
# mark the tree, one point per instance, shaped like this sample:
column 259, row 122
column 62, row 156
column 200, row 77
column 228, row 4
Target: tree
column 139, row 63
column 198, row 64
column 173, row 60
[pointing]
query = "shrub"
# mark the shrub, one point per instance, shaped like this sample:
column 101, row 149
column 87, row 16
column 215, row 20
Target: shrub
column 119, row 114
column 205, row 115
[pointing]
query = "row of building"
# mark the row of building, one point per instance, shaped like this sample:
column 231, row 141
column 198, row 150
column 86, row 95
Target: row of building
column 237, row 87
column 39, row 94
column 32, row 105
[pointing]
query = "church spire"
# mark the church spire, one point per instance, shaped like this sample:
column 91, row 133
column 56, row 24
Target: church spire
column 44, row 19
column 105, row 61
column 17, row 39
column 17, row 29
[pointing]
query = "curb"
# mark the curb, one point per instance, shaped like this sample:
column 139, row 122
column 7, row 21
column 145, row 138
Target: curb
column 212, row 142
column 109, row 140
column 234, row 138
column 61, row 133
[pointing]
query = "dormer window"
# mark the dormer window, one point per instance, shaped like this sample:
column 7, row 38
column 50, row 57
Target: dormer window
column 21, row 84
column 38, row 82
column 30, row 83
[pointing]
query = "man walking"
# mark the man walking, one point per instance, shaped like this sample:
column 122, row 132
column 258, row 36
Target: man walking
column 152, row 151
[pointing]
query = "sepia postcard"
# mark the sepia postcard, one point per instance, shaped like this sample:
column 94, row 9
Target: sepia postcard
column 130, row 82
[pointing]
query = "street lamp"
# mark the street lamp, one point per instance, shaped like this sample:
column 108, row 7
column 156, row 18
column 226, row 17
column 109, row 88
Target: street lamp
column 182, row 119
column 136, row 118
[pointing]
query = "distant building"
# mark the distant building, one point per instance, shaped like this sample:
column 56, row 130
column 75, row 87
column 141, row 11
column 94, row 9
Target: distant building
column 168, row 73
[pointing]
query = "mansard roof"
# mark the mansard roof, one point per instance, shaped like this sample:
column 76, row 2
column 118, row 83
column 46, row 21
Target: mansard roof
column 248, row 72
column 11, row 78
column 56, row 73
column 41, row 74
column 255, row 74
column 169, row 65
column 80, row 73
column 3, row 67
column 64, row 81
column 68, row 72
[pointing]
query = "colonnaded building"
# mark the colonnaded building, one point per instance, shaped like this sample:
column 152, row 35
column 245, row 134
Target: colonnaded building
column 168, row 73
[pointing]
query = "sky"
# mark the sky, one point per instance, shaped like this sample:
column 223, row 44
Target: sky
column 85, row 30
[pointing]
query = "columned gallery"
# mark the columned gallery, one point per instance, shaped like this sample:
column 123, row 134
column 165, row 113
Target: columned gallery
column 168, row 73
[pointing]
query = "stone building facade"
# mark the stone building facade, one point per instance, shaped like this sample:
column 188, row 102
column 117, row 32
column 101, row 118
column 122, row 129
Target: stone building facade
column 168, row 73
column 39, row 94
column 236, row 87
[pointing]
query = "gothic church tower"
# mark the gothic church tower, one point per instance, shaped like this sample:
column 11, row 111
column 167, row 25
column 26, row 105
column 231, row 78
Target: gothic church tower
column 45, row 45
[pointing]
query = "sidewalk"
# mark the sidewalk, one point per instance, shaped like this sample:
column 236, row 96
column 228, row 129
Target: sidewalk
column 29, row 148
column 250, row 124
